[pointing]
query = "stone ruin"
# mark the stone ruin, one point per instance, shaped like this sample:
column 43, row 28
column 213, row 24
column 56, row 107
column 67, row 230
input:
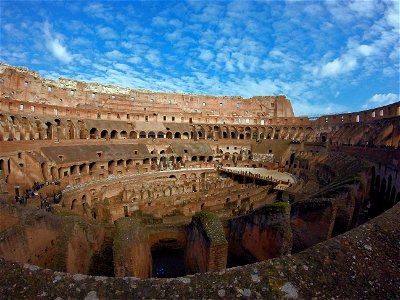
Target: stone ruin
column 103, row 188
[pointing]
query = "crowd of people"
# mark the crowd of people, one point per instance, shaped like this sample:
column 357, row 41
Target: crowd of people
column 45, row 202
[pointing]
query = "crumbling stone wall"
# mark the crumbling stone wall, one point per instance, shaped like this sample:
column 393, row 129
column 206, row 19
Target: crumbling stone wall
column 132, row 256
column 207, row 248
column 261, row 235
column 64, row 243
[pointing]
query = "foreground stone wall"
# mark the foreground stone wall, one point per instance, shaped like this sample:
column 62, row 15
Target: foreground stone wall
column 350, row 266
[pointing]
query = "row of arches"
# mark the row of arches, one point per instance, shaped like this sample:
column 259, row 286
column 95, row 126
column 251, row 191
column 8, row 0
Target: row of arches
column 384, row 192
column 21, row 128
column 118, row 167
column 177, row 184
column 378, row 133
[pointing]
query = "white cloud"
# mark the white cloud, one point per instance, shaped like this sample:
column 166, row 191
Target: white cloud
column 340, row 65
column 98, row 10
column 393, row 15
column 366, row 50
column 206, row 55
column 122, row 67
column 55, row 46
column 135, row 60
column 153, row 57
column 115, row 54
column 12, row 31
column 159, row 21
column 365, row 8
column 174, row 36
column 381, row 100
column 106, row 32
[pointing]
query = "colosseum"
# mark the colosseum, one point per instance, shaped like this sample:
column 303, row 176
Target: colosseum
column 110, row 192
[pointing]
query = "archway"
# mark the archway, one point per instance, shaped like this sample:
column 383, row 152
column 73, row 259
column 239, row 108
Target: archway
column 104, row 134
column 123, row 134
column 133, row 135
column 114, row 134
column 168, row 258
column 94, row 133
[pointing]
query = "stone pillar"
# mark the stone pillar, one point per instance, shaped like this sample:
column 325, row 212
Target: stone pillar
column 207, row 248
column 131, row 250
column 86, row 169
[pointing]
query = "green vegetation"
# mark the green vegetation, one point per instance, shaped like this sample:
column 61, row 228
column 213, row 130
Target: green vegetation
column 212, row 225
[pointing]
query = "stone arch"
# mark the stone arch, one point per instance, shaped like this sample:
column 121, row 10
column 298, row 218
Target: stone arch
column 83, row 168
column 133, row 135
column 2, row 167
column 129, row 163
column 94, row 133
column 308, row 136
column 84, row 201
column 227, row 155
column 177, row 135
column 142, row 135
column 83, row 132
column 49, row 130
column 73, row 204
column 284, row 133
column 70, row 134
column 151, row 135
column 54, row 173
column 114, row 134
column 104, row 134
column 292, row 132
column 74, row 170
column 123, row 134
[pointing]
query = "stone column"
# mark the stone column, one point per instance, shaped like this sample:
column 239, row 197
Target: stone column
column 207, row 248
column 131, row 250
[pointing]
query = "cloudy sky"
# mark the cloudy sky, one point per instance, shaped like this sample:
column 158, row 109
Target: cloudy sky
column 326, row 56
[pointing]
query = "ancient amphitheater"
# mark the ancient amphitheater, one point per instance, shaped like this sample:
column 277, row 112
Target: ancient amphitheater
column 104, row 188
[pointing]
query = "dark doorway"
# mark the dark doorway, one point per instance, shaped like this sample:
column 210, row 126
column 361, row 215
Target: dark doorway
column 168, row 259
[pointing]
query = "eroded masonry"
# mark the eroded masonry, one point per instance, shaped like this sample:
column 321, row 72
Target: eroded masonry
column 105, row 180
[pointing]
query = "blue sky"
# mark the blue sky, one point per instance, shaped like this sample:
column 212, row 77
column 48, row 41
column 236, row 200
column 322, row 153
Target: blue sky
column 326, row 56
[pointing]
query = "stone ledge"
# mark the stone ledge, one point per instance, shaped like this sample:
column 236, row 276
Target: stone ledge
column 360, row 264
